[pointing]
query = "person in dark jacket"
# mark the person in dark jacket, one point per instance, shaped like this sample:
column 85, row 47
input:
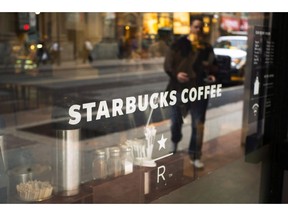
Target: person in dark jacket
column 190, row 62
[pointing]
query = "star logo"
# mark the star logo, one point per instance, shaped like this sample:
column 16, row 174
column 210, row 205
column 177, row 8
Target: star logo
column 162, row 142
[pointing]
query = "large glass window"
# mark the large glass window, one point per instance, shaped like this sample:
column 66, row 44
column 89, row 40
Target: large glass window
column 86, row 113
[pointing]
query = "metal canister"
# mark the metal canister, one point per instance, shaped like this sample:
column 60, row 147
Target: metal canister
column 67, row 167
column 67, row 162
column 4, row 181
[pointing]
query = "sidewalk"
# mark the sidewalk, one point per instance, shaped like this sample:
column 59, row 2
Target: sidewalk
column 78, row 65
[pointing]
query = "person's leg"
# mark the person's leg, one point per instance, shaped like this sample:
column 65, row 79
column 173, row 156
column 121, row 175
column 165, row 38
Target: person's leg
column 176, row 126
column 196, row 141
column 198, row 113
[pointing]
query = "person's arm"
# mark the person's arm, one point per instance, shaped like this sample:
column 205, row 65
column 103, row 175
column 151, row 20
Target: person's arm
column 211, row 65
column 168, row 64
column 169, row 68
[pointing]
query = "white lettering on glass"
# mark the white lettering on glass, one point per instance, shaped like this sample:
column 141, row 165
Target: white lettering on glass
column 141, row 103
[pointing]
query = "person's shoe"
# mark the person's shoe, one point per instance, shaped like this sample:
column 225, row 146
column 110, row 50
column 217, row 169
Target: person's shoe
column 197, row 163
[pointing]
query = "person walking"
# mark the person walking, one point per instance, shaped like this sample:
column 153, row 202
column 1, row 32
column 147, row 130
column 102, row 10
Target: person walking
column 55, row 53
column 190, row 62
column 87, row 51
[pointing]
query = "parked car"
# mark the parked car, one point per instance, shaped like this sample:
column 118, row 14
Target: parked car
column 231, row 52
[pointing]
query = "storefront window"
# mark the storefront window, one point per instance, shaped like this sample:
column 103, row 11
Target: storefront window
column 86, row 109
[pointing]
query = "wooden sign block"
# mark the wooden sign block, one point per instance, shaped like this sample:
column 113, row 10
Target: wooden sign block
column 165, row 177
column 123, row 189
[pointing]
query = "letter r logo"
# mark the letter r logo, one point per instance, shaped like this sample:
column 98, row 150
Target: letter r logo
column 160, row 173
